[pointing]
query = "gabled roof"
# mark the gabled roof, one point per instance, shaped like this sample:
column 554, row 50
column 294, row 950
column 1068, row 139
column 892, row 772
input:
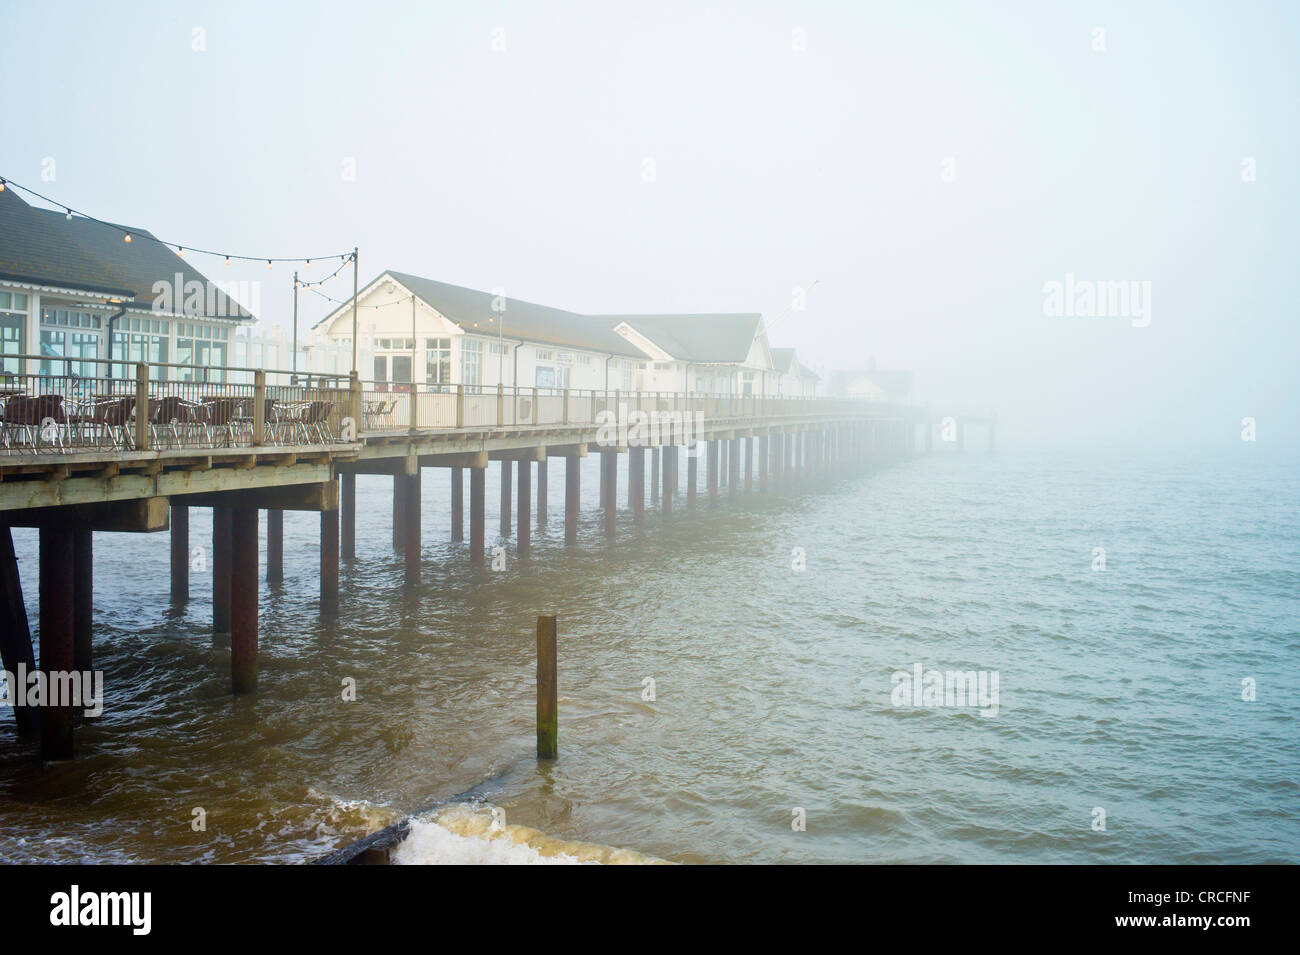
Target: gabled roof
column 785, row 362
column 43, row 247
column 696, row 338
column 472, row 311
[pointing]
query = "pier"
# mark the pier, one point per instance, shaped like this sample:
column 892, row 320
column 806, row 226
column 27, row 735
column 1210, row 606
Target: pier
column 82, row 455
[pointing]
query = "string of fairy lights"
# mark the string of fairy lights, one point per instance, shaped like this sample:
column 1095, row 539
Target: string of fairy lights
column 127, row 236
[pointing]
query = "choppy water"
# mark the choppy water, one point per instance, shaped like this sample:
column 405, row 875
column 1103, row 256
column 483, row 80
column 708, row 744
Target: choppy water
column 1118, row 689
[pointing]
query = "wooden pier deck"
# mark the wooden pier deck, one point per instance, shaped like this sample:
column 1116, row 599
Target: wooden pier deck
column 82, row 456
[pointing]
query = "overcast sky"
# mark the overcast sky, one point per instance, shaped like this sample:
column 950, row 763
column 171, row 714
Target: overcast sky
column 930, row 166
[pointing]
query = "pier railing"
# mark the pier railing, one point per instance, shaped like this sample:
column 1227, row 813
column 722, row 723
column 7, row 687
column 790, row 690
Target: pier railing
column 389, row 407
column 91, row 404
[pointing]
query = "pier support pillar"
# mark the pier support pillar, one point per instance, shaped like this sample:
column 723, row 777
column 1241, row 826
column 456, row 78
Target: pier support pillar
column 542, row 469
column 83, row 595
column 180, row 534
column 692, row 475
column 572, row 497
column 411, row 545
column 348, row 517
column 457, row 505
column 636, row 484
column 654, row 477
column 56, row 634
column 15, row 631
column 274, row 546
column 505, row 499
column 243, row 599
column 609, row 464
column 399, row 508
column 477, row 518
column 221, row 570
column 524, row 535
column 724, row 466
column 749, row 464
column 670, row 479
column 762, row 462
column 329, row 563
column 711, row 472
column 733, row 467
column 929, row 436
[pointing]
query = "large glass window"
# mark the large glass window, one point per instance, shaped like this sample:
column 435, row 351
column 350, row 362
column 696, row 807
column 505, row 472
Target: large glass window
column 69, row 333
column 437, row 361
column 13, row 330
column 140, row 339
column 471, row 362
column 204, row 348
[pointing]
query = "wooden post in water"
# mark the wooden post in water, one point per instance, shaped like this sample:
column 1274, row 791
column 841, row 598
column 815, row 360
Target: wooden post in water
column 243, row 599
column 83, row 589
column 548, row 729
column 692, row 475
column 399, row 509
column 457, row 505
column 749, row 464
column 762, row 462
column 329, row 563
column 411, row 546
column 670, row 479
column 654, row 477
column 56, row 633
column 636, row 484
column 733, row 467
column 274, row 546
column 477, row 519
column 711, row 478
column 15, row 631
column 221, row 570
column 348, row 517
column 505, row 498
column 525, row 530
column 611, row 491
column 542, row 470
column 572, row 499
column 180, row 528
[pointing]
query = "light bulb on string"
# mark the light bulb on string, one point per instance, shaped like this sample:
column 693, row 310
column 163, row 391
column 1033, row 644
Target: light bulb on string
column 69, row 215
column 127, row 237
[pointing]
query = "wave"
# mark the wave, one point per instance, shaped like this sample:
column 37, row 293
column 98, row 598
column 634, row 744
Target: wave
column 477, row 834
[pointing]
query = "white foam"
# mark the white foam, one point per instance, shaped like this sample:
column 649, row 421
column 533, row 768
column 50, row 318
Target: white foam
column 476, row 834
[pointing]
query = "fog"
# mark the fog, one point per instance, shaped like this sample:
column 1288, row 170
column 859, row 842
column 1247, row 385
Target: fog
column 930, row 167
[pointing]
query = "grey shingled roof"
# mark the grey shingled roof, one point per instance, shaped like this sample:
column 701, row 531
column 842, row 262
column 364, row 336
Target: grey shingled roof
column 472, row 311
column 784, row 360
column 696, row 338
column 43, row 247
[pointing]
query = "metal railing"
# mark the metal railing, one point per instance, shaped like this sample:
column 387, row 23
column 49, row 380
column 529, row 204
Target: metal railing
column 48, row 412
column 386, row 407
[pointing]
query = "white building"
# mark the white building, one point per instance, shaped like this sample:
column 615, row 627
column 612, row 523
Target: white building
column 479, row 339
column 795, row 379
column 74, row 289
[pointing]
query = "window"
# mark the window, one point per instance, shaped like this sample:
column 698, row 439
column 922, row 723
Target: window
column 747, row 382
column 471, row 362
column 437, row 361
column 13, row 330
column 204, row 347
column 140, row 339
column 584, row 359
column 381, row 369
column 402, row 369
column 498, row 348
column 544, row 354
column 68, row 333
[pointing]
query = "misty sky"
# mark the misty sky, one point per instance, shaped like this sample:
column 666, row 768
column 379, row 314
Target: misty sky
column 774, row 168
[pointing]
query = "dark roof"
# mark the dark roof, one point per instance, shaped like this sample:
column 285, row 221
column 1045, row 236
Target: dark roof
column 696, row 338
column 472, row 311
column 42, row 246
column 784, row 360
